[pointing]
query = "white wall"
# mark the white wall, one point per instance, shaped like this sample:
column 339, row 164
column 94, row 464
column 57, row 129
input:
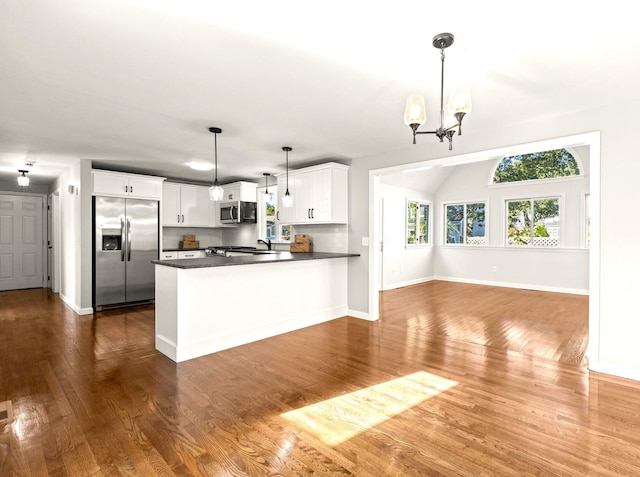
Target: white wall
column 76, row 237
column 562, row 269
column 69, row 228
column 12, row 187
column 402, row 265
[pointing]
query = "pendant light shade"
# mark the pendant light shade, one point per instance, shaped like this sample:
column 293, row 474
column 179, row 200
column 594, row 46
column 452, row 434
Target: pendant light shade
column 415, row 112
column 287, row 198
column 23, row 180
column 216, row 192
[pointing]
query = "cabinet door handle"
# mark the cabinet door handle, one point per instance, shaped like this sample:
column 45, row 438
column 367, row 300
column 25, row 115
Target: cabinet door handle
column 312, row 210
column 308, row 213
column 131, row 189
column 183, row 218
column 278, row 215
column 126, row 188
column 178, row 218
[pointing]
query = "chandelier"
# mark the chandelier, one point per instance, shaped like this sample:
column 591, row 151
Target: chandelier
column 458, row 105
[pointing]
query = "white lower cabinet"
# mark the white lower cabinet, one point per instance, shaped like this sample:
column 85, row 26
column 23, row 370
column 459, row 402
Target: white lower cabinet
column 192, row 254
column 178, row 254
column 186, row 205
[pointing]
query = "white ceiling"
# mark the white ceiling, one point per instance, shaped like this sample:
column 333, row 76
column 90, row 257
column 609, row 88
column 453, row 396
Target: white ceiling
column 134, row 84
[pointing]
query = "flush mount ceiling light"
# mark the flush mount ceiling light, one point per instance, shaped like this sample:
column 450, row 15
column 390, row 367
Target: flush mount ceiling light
column 459, row 103
column 216, row 191
column 200, row 166
column 287, row 198
column 23, row 180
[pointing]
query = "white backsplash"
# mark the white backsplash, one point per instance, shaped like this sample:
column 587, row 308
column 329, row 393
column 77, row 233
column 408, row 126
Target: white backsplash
column 207, row 237
column 325, row 238
column 245, row 235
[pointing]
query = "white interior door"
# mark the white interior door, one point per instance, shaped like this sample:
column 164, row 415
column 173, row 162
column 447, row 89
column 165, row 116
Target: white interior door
column 20, row 242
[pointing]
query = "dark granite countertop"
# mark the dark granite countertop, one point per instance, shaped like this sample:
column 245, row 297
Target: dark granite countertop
column 220, row 261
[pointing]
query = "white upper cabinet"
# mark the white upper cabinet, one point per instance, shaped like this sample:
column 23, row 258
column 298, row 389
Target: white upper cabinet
column 242, row 191
column 320, row 195
column 186, row 205
column 117, row 184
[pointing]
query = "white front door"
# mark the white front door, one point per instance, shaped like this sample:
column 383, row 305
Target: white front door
column 20, row 242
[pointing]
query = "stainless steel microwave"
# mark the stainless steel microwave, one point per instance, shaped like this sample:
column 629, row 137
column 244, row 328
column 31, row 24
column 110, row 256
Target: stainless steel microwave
column 238, row 212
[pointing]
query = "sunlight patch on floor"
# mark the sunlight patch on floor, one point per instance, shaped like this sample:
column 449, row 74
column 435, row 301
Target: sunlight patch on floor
column 343, row 417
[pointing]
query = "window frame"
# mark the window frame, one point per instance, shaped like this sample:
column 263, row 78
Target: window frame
column 576, row 158
column 429, row 223
column 261, row 218
column 465, row 203
column 532, row 198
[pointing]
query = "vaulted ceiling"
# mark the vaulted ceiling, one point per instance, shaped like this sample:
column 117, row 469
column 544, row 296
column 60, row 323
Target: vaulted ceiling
column 134, row 84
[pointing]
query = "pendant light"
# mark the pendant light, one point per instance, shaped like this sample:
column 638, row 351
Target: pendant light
column 23, row 180
column 266, row 182
column 216, row 191
column 458, row 106
column 287, row 198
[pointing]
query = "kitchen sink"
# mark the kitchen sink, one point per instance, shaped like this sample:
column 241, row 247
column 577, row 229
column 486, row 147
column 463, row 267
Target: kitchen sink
column 241, row 253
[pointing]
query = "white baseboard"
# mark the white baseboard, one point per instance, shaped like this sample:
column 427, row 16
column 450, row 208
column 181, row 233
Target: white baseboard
column 614, row 370
column 74, row 307
column 407, row 283
column 524, row 286
column 359, row 314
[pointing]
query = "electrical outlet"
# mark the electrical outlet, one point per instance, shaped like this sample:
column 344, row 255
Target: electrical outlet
column 495, row 268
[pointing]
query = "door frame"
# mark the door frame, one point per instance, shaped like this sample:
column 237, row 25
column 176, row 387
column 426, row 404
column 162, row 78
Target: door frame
column 588, row 139
column 55, row 240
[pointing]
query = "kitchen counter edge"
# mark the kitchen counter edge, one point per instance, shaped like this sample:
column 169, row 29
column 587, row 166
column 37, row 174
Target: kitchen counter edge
column 219, row 261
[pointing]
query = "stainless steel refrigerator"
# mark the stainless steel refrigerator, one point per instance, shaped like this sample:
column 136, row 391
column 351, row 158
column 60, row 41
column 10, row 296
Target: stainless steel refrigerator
column 126, row 237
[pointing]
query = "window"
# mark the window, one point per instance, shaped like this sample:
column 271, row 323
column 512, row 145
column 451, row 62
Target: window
column 267, row 226
column 418, row 222
column 537, row 165
column 533, row 222
column 465, row 223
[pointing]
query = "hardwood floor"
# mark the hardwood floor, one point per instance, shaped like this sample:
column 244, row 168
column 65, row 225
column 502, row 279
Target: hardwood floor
column 455, row 380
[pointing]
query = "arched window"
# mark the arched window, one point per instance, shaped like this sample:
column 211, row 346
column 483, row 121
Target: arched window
column 536, row 165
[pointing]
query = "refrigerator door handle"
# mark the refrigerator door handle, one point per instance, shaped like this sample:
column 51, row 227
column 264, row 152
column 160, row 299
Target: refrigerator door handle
column 121, row 239
column 128, row 240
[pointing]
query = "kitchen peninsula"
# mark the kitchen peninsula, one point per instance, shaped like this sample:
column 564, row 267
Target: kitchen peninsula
column 206, row 305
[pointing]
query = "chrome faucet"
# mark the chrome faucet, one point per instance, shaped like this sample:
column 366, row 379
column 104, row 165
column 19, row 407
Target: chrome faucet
column 267, row 243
